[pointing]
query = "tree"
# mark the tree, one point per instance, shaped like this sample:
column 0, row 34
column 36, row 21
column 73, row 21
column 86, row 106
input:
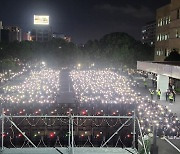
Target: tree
column 117, row 49
column 173, row 56
column 147, row 143
column 7, row 64
column 113, row 49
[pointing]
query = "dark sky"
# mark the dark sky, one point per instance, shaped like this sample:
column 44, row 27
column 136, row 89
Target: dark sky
column 83, row 19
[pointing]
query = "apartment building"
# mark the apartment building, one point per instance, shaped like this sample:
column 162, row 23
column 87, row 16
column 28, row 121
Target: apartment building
column 167, row 30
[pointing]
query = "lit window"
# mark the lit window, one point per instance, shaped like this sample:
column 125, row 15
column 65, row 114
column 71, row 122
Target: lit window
column 158, row 38
column 169, row 19
column 166, row 52
column 165, row 37
column 157, row 53
column 177, row 33
column 162, row 36
column 161, row 22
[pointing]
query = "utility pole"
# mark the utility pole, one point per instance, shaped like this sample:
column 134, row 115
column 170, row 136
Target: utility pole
column 2, row 131
column 134, row 130
column 154, row 147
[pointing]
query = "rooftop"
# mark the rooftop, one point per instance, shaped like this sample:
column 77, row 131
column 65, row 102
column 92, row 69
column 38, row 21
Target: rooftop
column 174, row 63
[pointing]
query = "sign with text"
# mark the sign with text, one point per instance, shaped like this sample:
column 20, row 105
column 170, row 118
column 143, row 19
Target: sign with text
column 41, row 20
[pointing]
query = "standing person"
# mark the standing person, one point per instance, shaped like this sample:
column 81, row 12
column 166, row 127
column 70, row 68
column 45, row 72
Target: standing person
column 174, row 95
column 171, row 97
column 158, row 94
column 145, row 83
column 167, row 94
column 152, row 93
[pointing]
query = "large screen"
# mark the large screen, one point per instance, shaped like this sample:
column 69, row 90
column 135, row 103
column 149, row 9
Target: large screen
column 41, row 20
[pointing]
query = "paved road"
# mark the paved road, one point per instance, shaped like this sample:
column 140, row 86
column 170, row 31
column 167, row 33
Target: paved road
column 165, row 148
column 66, row 93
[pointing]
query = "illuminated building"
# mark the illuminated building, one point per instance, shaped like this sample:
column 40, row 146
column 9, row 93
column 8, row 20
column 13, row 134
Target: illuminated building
column 167, row 30
column 149, row 33
column 62, row 36
column 27, row 36
column 11, row 34
column 41, row 34
column 42, row 31
column 1, row 27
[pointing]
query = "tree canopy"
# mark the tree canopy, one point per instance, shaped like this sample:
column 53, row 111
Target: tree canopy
column 112, row 49
column 173, row 56
column 117, row 49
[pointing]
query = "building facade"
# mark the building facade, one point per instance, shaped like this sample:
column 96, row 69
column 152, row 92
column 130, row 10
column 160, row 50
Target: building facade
column 27, row 36
column 41, row 34
column 149, row 33
column 62, row 36
column 1, row 27
column 167, row 30
column 11, row 34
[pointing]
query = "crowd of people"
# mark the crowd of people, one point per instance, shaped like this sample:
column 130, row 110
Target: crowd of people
column 41, row 86
column 96, row 92
column 170, row 92
column 106, row 86
column 8, row 74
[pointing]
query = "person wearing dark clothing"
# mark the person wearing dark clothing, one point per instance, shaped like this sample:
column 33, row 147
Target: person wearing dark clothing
column 174, row 95
column 152, row 93
column 167, row 94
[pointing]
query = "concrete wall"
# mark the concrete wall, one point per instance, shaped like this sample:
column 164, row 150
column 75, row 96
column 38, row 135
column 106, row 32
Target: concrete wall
column 161, row 69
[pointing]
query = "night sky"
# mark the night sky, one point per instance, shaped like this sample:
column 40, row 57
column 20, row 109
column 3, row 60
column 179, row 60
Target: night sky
column 83, row 19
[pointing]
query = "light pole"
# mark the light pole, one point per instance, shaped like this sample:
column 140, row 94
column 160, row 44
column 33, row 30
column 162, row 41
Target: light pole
column 154, row 147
